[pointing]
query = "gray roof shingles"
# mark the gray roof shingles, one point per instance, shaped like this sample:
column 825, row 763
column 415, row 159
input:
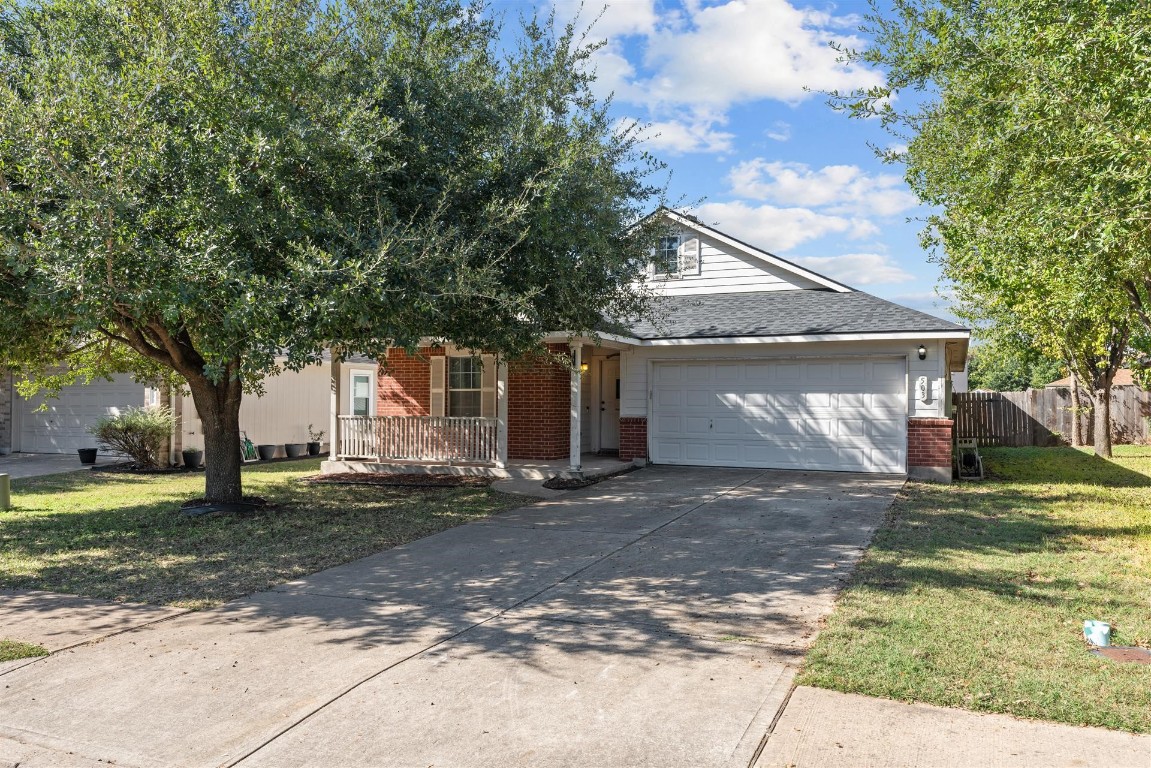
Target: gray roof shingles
column 783, row 313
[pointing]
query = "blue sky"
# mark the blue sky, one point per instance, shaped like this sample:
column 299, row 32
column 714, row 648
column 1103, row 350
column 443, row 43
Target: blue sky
column 722, row 85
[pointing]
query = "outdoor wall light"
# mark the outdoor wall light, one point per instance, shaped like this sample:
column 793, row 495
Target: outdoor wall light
column 583, row 367
column 922, row 352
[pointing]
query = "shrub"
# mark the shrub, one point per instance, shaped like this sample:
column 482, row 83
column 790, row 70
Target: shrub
column 141, row 433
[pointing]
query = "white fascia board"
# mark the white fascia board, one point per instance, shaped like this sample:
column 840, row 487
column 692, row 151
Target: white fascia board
column 611, row 340
column 904, row 335
column 756, row 253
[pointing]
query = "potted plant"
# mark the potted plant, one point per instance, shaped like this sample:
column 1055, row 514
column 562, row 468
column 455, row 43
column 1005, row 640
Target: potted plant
column 193, row 456
column 294, row 450
column 267, row 452
column 87, row 455
column 315, row 441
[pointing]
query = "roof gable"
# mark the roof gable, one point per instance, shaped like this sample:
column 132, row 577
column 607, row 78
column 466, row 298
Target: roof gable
column 729, row 265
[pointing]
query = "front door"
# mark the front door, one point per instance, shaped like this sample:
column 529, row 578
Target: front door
column 609, row 405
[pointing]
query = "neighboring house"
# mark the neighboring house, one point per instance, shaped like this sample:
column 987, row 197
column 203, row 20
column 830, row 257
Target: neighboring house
column 1124, row 377
column 291, row 402
column 756, row 362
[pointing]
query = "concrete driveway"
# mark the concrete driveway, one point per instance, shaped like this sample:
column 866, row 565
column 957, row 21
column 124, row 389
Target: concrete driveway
column 17, row 465
column 654, row 619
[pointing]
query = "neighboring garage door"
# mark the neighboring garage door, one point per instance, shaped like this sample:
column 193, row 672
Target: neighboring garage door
column 847, row 415
column 62, row 428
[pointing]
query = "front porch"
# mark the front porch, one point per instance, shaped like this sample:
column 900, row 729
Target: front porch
column 435, row 411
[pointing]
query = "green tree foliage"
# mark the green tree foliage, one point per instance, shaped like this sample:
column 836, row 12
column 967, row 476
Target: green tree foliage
column 214, row 184
column 1004, row 365
column 1028, row 129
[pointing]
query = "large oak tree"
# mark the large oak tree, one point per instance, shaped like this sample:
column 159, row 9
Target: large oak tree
column 230, row 187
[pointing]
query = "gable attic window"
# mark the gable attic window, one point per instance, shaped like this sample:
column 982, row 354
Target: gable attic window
column 667, row 256
column 675, row 257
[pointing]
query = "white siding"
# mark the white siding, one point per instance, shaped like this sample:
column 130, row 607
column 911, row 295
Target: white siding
column 291, row 402
column 636, row 363
column 723, row 270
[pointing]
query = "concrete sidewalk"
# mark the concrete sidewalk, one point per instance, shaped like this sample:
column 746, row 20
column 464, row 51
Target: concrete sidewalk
column 56, row 621
column 826, row 729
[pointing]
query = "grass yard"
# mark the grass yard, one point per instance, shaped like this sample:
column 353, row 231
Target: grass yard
column 121, row 537
column 10, row 650
column 974, row 595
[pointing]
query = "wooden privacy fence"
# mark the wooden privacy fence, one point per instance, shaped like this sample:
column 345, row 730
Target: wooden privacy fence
column 1044, row 416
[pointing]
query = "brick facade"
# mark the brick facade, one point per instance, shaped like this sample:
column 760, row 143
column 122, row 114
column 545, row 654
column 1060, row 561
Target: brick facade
column 632, row 438
column 539, row 408
column 7, row 400
column 404, row 384
column 539, row 399
column 929, row 447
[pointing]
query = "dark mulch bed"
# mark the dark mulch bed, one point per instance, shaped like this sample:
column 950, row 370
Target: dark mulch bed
column 400, row 478
column 128, row 467
column 563, row 484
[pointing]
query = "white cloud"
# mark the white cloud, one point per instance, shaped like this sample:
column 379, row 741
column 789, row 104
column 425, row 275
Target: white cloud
column 844, row 189
column 677, row 138
column 608, row 20
column 780, row 229
column 779, row 131
column 858, row 268
column 745, row 50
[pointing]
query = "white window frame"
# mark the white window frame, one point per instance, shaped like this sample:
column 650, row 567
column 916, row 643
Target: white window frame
column 659, row 261
column 448, row 388
column 352, row 374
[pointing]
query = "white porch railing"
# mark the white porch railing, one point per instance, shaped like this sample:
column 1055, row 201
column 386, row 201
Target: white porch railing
column 419, row 438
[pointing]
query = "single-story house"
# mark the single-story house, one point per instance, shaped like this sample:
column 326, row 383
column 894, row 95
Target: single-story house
column 755, row 362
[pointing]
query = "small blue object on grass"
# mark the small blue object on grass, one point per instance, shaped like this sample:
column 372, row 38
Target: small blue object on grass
column 1097, row 633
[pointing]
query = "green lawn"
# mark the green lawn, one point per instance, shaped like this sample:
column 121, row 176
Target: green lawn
column 121, row 537
column 10, row 650
column 974, row 595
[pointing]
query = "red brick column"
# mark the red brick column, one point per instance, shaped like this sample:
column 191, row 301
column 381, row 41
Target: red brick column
column 539, row 408
column 929, row 447
column 632, row 438
column 404, row 387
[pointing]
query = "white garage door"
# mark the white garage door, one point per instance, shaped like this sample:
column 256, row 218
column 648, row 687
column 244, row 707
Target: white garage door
column 62, row 427
column 847, row 415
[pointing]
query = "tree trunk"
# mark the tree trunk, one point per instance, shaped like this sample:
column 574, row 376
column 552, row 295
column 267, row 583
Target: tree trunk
column 219, row 409
column 1103, row 422
column 1076, row 412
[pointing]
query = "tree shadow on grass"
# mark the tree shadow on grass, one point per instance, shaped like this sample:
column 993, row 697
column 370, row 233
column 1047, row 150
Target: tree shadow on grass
column 978, row 536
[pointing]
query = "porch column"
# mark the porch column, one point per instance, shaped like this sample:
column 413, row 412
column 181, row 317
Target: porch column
column 502, row 414
column 334, row 423
column 574, row 448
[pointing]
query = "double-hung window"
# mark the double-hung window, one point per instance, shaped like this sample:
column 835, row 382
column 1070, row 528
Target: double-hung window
column 465, row 386
column 361, row 393
column 667, row 256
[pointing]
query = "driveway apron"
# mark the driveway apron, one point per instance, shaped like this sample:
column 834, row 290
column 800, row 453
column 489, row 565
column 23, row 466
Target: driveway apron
column 654, row 619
